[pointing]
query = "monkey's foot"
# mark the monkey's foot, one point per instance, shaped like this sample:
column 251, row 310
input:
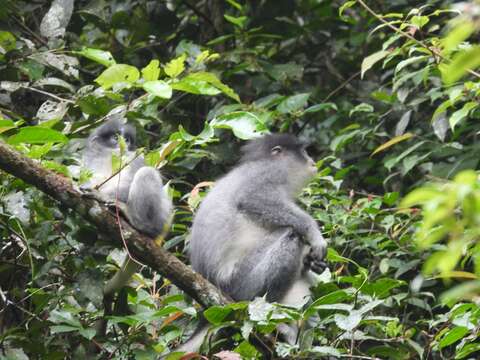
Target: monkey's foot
column 90, row 193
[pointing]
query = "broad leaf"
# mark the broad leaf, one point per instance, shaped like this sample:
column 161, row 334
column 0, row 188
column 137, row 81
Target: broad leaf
column 37, row 135
column 151, row 72
column 461, row 114
column 244, row 125
column 116, row 74
column 461, row 63
column 216, row 314
column 100, row 56
column 371, row 60
column 158, row 88
column 175, row 67
column 293, row 103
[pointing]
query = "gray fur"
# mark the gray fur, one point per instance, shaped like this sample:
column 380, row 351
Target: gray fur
column 138, row 186
column 249, row 237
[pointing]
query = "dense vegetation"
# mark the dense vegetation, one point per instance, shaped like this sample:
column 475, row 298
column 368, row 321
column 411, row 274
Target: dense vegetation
column 387, row 94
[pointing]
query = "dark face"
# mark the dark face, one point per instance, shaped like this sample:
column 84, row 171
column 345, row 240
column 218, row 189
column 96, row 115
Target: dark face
column 296, row 158
column 108, row 135
column 287, row 153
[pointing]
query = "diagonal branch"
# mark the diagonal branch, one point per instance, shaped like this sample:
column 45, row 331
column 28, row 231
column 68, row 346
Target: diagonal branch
column 143, row 247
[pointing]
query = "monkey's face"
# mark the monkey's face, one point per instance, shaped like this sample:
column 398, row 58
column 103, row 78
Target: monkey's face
column 108, row 136
column 300, row 166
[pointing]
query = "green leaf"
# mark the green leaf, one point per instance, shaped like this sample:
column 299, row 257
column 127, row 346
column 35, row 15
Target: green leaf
column 443, row 107
column 326, row 351
column 64, row 317
column 461, row 114
column 348, row 322
column 409, row 61
column 419, row 196
column 371, row 60
column 37, row 135
column 11, row 353
column 87, row 333
column 215, row 81
column 244, row 125
column 151, row 72
column 7, row 41
column 6, row 125
column 158, row 88
column 216, row 314
column 58, row 329
column 363, row 107
column 293, row 103
column 391, row 142
column 345, row 6
column 197, row 87
column 100, row 56
column 390, row 198
column 419, row 21
column 235, row 4
column 175, row 67
column 320, row 107
column 459, row 33
column 116, row 74
column 237, row 21
column 453, row 336
column 461, row 63
column 247, row 350
column 467, row 350
column 259, row 309
column 204, row 83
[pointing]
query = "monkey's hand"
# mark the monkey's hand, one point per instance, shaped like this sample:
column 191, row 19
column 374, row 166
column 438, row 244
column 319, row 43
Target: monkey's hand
column 318, row 250
column 312, row 262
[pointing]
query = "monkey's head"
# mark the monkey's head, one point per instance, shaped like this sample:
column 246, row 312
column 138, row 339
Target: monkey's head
column 107, row 135
column 284, row 151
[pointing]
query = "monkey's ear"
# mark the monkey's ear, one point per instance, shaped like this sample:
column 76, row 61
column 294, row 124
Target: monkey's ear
column 276, row 150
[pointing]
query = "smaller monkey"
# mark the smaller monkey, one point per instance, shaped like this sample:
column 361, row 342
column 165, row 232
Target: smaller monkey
column 138, row 188
column 249, row 237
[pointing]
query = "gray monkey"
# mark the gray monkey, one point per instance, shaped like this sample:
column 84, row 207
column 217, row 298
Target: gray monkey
column 138, row 188
column 250, row 238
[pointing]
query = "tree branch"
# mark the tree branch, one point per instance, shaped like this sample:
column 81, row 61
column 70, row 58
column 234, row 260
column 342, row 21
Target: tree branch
column 143, row 247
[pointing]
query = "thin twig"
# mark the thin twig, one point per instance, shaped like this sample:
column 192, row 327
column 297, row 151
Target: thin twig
column 432, row 50
column 120, row 168
column 27, row 29
column 337, row 89
column 341, row 86
column 199, row 13
column 48, row 94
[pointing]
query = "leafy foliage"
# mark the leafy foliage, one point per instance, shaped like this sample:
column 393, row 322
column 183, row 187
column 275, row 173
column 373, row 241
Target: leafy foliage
column 388, row 98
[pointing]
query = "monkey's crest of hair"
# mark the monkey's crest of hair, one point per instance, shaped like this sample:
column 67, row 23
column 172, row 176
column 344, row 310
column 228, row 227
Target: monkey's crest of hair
column 115, row 126
column 260, row 149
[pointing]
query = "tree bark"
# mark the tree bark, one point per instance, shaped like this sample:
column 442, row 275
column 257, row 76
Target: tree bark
column 142, row 247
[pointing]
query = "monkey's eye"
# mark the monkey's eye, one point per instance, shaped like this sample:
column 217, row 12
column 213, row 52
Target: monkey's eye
column 130, row 140
column 276, row 150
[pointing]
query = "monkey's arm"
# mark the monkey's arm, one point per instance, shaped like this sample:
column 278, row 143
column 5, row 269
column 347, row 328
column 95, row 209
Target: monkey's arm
column 277, row 210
